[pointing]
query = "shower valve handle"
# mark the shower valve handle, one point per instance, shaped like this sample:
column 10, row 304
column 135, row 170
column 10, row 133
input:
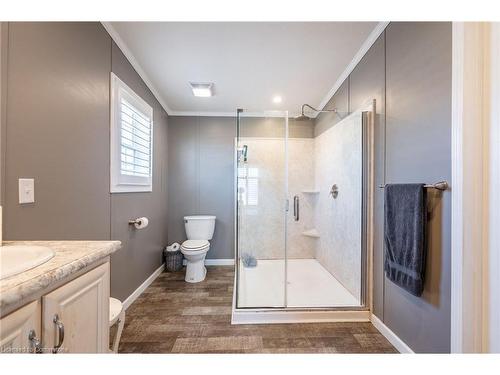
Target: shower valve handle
column 334, row 191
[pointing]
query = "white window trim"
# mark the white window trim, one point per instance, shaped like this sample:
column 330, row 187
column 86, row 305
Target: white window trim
column 120, row 183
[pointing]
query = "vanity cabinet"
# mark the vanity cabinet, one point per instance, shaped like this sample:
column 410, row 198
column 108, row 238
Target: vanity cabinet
column 74, row 318
column 79, row 311
column 20, row 330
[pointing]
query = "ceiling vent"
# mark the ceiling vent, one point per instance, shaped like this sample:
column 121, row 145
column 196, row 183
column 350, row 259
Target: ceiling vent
column 202, row 90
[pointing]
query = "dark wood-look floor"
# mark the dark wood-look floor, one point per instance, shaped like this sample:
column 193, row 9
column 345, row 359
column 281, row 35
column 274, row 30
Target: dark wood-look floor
column 173, row 316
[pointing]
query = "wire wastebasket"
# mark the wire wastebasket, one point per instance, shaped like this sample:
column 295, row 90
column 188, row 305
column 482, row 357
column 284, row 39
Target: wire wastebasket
column 173, row 260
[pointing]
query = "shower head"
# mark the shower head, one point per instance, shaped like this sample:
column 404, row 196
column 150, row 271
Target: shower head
column 304, row 117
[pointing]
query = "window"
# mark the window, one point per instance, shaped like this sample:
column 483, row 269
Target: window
column 248, row 186
column 131, row 140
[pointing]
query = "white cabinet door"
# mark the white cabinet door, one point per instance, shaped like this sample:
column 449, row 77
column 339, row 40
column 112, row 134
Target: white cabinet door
column 16, row 327
column 79, row 311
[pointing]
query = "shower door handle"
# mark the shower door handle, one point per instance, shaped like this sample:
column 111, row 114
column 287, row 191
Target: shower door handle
column 296, row 204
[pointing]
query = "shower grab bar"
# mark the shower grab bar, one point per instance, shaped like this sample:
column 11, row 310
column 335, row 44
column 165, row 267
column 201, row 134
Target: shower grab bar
column 296, row 208
column 441, row 185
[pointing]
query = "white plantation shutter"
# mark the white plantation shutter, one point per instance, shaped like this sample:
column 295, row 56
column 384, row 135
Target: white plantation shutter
column 135, row 141
column 253, row 187
column 131, row 140
column 248, row 185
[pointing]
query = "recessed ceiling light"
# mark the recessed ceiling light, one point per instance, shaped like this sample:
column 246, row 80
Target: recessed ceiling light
column 203, row 90
column 277, row 99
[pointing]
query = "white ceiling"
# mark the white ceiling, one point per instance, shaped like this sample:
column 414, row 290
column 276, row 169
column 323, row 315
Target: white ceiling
column 249, row 63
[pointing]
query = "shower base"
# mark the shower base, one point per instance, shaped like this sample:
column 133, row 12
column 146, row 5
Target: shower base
column 309, row 285
column 314, row 295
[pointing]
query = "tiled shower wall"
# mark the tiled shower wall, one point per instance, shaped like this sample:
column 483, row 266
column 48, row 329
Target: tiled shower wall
column 338, row 160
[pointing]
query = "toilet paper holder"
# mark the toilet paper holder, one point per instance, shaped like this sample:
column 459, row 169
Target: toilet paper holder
column 138, row 221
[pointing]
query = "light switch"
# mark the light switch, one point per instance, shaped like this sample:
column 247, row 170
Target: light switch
column 26, row 190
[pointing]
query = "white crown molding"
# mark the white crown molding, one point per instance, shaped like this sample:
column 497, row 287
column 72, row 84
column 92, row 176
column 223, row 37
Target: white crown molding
column 135, row 64
column 233, row 114
column 379, row 29
column 203, row 114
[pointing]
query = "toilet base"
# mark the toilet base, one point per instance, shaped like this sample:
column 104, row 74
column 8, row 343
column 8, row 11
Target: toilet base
column 195, row 263
column 195, row 271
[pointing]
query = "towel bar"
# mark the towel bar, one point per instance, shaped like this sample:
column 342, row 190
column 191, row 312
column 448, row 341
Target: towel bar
column 441, row 185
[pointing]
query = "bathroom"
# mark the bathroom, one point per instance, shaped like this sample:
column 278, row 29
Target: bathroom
column 251, row 214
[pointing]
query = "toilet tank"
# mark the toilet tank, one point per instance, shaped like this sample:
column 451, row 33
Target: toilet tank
column 199, row 227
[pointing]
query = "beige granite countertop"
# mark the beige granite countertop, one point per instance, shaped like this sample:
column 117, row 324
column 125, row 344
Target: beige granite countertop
column 70, row 257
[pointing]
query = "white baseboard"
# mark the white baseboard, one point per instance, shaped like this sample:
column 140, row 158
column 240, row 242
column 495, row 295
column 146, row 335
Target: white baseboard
column 311, row 316
column 219, row 262
column 216, row 262
column 391, row 336
column 130, row 299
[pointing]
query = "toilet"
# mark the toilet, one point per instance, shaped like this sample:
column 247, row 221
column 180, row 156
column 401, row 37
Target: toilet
column 199, row 230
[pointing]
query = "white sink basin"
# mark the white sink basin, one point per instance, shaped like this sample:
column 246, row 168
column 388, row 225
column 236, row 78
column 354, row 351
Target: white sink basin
column 17, row 258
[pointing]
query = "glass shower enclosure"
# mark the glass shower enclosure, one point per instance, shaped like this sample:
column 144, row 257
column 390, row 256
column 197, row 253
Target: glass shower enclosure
column 301, row 215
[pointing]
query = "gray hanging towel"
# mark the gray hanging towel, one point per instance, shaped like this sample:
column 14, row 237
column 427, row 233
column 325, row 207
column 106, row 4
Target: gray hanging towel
column 404, row 235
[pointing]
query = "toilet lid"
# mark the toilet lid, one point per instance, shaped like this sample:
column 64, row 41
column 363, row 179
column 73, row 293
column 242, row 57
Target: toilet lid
column 195, row 244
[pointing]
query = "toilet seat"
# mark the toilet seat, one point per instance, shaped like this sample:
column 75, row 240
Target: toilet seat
column 195, row 245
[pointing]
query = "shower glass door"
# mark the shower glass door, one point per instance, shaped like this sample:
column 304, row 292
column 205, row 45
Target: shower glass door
column 261, row 178
column 301, row 197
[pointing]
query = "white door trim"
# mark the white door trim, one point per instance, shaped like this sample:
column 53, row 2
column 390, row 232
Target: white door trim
column 494, row 192
column 456, row 193
column 475, row 262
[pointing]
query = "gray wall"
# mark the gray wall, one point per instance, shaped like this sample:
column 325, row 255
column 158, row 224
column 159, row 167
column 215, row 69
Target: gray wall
column 408, row 72
column 274, row 127
column 418, row 149
column 57, row 127
column 367, row 82
column 141, row 252
column 57, row 111
column 339, row 101
column 201, row 171
column 3, row 102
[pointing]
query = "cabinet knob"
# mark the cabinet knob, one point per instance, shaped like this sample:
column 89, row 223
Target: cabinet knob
column 36, row 345
column 60, row 333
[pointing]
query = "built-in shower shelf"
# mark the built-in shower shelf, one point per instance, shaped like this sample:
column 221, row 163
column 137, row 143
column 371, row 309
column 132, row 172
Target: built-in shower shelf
column 311, row 233
column 310, row 191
